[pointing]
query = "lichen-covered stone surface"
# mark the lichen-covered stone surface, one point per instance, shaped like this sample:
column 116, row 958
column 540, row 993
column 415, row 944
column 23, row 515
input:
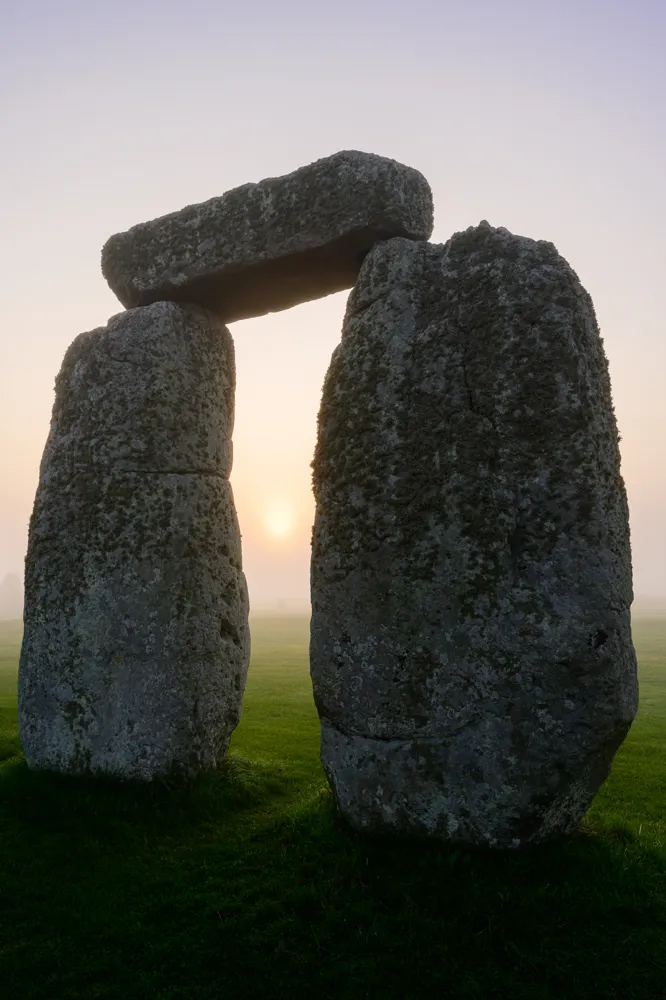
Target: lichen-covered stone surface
column 264, row 247
column 471, row 652
column 136, row 643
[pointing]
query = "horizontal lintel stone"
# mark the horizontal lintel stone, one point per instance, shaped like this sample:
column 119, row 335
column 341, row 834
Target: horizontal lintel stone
column 264, row 247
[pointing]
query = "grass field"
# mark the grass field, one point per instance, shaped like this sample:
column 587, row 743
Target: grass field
column 247, row 884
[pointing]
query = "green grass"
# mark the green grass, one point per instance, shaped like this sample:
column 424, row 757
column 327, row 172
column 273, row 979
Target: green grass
column 247, row 884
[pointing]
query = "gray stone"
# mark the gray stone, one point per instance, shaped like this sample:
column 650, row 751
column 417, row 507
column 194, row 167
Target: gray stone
column 136, row 642
column 471, row 652
column 264, row 247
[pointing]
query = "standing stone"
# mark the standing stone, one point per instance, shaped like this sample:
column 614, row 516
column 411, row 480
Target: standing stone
column 471, row 652
column 264, row 247
column 136, row 642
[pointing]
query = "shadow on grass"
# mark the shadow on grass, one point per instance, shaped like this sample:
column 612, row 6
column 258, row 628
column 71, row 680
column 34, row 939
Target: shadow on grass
column 80, row 804
column 355, row 917
column 10, row 746
column 241, row 884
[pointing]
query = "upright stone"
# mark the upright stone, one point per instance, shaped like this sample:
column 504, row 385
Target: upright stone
column 471, row 652
column 264, row 247
column 136, row 642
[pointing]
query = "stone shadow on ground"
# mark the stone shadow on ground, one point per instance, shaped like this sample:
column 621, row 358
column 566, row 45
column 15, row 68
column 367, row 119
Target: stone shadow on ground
column 582, row 917
column 244, row 877
column 169, row 803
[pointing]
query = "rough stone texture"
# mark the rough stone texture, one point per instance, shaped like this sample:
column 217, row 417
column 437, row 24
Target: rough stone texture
column 471, row 653
column 264, row 247
column 136, row 642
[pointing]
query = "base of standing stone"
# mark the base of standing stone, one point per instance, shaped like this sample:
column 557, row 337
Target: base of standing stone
column 133, row 665
column 426, row 788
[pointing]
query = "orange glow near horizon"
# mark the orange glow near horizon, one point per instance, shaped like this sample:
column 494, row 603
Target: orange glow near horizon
column 279, row 520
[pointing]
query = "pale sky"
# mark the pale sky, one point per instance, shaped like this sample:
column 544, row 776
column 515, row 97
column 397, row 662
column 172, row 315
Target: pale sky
column 548, row 119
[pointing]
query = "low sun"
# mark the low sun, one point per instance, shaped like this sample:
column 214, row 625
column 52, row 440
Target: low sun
column 279, row 521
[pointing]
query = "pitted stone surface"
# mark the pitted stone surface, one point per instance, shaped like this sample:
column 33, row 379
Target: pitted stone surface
column 136, row 642
column 471, row 652
column 264, row 247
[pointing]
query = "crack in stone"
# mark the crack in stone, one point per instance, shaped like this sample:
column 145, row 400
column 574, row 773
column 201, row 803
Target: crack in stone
column 178, row 472
column 401, row 740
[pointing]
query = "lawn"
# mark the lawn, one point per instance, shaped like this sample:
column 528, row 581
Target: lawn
column 247, row 884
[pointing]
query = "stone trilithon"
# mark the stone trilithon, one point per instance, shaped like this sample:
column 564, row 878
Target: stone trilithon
column 136, row 639
column 471, row 652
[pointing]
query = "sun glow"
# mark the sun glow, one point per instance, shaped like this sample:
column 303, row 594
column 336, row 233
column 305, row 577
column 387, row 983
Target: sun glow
column 279, row 521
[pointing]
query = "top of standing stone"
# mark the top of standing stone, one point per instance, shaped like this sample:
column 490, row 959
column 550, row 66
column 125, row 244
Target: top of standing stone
column 263, row 247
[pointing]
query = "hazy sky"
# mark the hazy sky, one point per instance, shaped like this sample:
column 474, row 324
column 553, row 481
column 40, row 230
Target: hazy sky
column 548, row 119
